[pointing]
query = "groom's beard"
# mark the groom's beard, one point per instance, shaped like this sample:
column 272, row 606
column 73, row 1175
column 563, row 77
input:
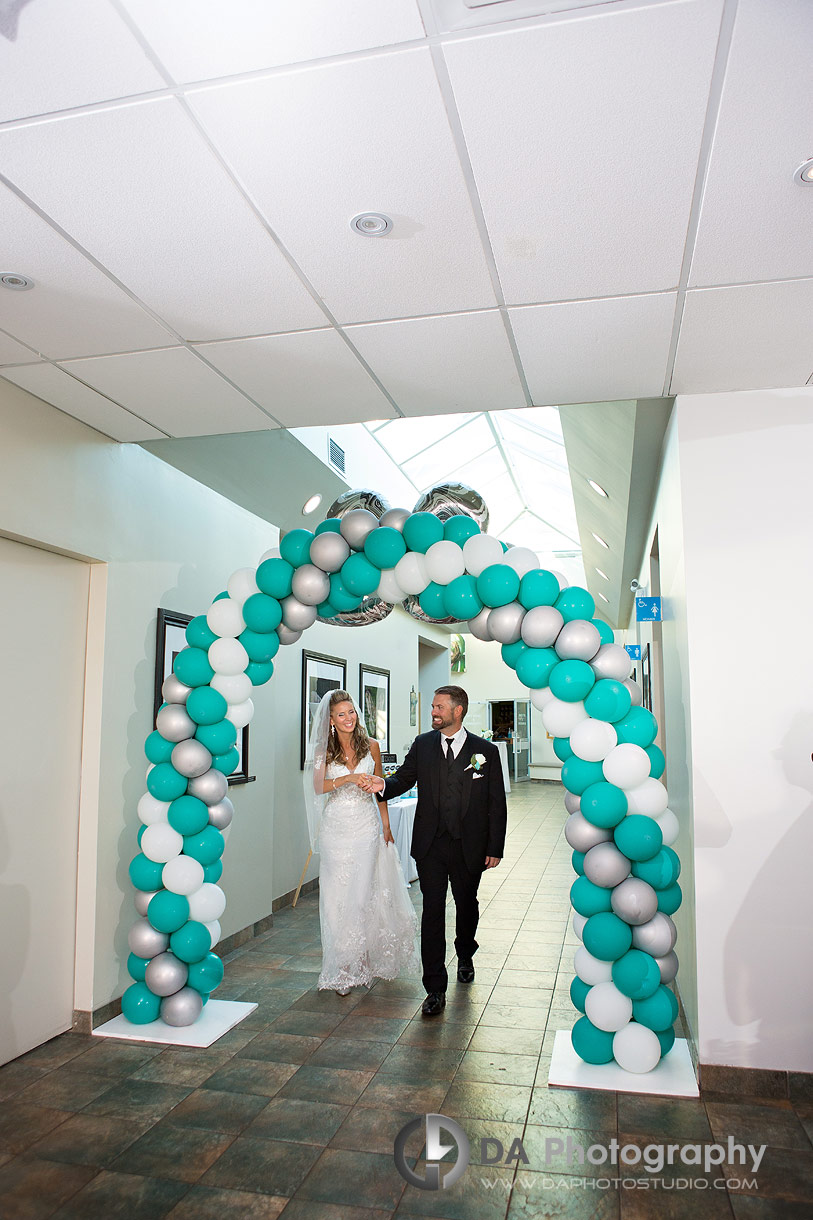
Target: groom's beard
column 438, row 722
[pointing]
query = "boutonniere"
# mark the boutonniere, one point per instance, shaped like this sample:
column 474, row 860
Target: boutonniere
column 478, row 761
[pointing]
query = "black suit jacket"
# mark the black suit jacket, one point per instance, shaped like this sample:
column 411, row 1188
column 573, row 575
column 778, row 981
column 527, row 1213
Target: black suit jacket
column 484, row 811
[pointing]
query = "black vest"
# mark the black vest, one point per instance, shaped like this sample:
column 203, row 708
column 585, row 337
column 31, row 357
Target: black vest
column 450, row 794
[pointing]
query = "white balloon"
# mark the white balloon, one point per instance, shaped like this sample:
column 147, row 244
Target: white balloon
column 151, row 810
column 626, row 766
column 612, row 661
column 564, row 583
column 240, row 713
column 521, row 559
column 670, row 827
column 480, row 552
column 242, row 585
column 541, row 626
column 593, row 740
column 650, row 797
column 183, row 875
column 444, row 562
column 578, row 923
column 225, row 618
column 228, row 656
column 388, row 588
column 636, row 1048
column 274, row 553
column 214, row 931
column 411, row 574
column 560, row 717
column 607, row 1007
column 235, row 688
column 590, row 969
column 161, row 843
column 542, row 697
column 207, row 903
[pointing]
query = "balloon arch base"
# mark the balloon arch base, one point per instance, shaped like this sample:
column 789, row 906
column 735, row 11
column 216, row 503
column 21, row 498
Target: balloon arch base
column 674, row 1075
column 217, row 1018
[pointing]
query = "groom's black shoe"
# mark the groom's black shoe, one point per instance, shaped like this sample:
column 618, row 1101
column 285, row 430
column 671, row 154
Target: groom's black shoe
column 434, row 1003
column 465, row 971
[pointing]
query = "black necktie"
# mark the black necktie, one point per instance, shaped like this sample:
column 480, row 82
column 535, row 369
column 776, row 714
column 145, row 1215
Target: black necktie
column 449, row 753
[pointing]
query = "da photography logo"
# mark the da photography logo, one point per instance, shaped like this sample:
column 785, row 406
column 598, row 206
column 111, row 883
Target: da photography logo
column 435, row 1150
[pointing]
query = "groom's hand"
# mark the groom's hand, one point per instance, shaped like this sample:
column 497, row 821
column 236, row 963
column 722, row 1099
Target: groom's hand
column 373, row 783
column 492, row 861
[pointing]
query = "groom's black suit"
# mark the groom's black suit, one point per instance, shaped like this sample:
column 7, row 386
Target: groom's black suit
column 460, row 819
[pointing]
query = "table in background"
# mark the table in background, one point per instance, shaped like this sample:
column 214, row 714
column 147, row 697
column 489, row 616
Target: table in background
column 502, row 746
column 402, row 819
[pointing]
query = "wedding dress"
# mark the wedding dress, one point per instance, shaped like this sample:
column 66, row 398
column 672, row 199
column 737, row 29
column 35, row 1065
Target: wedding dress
column 369, row 926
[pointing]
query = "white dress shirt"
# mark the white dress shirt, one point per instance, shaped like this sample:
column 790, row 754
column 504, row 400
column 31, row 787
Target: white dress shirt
column 458, row 740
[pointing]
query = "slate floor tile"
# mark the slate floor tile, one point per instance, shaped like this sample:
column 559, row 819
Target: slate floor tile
column 303, row 1122
column 33, row 1188
column 272, row 1167
column 359, row 1179
column 124, row 1196
column 167, row 1151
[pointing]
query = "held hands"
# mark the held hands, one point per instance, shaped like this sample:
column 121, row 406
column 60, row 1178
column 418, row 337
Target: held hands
column 371, row 783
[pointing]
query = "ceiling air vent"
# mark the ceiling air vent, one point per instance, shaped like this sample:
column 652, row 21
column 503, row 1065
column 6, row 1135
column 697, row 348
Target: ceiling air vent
column 335, row 454
column 468, row 14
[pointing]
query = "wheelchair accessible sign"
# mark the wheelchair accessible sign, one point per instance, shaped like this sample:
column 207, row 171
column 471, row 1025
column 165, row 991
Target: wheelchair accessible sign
column 647, row 609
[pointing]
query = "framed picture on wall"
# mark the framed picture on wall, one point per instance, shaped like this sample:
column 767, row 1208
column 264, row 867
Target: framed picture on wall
column 170, row 640
column 646, row 678
column 374, row 701
column 320, row 674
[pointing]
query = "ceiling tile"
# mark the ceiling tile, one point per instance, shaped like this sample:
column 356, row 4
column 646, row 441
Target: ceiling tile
column 302, row 379
column 582, row 133
column 199, row 39
column 766, row 94
column 462, row 362
column 745, row 338
column 56, row 387
column 12, row 352
column 74, row 309
column 70, row 55
column 174, row 391
column 368, row 135
column 589, row 351
column 165, row 219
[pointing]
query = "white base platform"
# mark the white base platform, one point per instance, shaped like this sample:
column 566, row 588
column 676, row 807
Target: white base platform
column 217, row 1018
column 673, row 1077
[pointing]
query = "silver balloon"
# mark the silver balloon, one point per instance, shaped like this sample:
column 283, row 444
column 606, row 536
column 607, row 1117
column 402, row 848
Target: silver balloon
column 606, row 866
column 412, row 606
column 183, row 1008
column 395, row 518
column 310, row 584
column 296, row 616
column 634, row 901
column 145, row 941
column 221, row 814
column 174, row 723
column 174, row 690
column 577, row 641
column 166, row 974
column 356, row 525
column 371, row 610
column 612, row 661
column 451, row 499
column 657, row 937
column 286, row 635
column 635, row 691
column 668, row 966
column 583, row 835
column 191, row 758
column 142, row 900
column 360, row 497
column 478, row 626
column 329, row 551
column 573, row 804
column 210, row 787
column 505, row 622
column 541, row 626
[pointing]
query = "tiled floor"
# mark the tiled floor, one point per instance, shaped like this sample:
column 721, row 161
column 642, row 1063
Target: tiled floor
column 295, row 1111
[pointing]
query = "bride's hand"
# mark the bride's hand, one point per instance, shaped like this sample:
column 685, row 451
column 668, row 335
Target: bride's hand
column 388, row 835
column 359, row 780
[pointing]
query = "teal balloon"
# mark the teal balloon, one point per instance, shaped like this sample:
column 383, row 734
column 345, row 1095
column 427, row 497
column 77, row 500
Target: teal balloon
column 261, row 647
column 359, row 576
column 604, row 804
column 589, row 899
column 192, row 942
column 636, row 974
column 460, row 528
column 421, row 530
column 206, row 974
column 139, row 1005
column 332, row 525
column 538, row 587
column 340, row 596
column 591, row 1044
column 638, row 726
column 140, row 834
column 145, row 874
column 639, row 837
column 608, row 700
column 512, row 652
column 578, row 992
column 213, row 872
column 167, row 911
column 192, row 667
column 217, row 737
column 606, row 936
column 199, row 634
column 227, row 762
column 157, row 748
column 535, row 666
column 577, row 860
column 658, row 1011
column 205, row 706
column 259, row 671
column 562, row 748
column 497, row 585
column 384, row 547
column 164, row 782
column 571, row 680
column 188, row 815
column 262, row 613
column 661, row 871
column 205, row 847
column 666, row 1037
column 657, row 762
column 295, row 549
column 220, row 596
column 137, row 966
column 604, row 629
column 670, row 899
column 575, row 602
column 431, row 600
column 461, row 598
column 274, row 577
column 325, row 610
column 578, row 774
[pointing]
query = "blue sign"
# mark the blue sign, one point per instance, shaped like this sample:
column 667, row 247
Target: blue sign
column 634, row 651
column 648, row 609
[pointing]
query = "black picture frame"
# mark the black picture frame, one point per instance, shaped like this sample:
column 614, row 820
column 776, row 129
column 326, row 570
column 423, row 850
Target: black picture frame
column 374, row 689
column 170, row 639
column 320, row 673
column 646, row 678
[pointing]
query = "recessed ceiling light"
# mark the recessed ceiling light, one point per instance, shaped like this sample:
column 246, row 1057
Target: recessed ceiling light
column 601, row 541
column 10, row 279
column 311, row 504
column 603, row 575
column 804, row 173
column 598, row 489
column 371, row 224
column 604, row 599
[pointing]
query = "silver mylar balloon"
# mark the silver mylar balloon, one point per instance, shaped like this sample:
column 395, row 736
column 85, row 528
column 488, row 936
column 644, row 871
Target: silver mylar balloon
column 577, row 641
column 310, row 584
column 541, row 626
column 478, row 626
column 635, row 691
column 174, row 690
column 612, row 661
column 145, row 941
column 668, row 966
column 166, row 974
column 221, row 814
column 450, row 499
column 296, row 616
column 287, row 635
column 606, row 866
column 505, row 622
column 573, row 804
column 413, row 607
column 356, row 525
column 657, row 937
column 210, row 787
column 191, row 758
column 360, row 497
column 183, row 1008
column 371, row 610
column 142, row 900
column 329, row 551
column 174, row 723
column 634, row 901
column 395, row 518
column 583, row 835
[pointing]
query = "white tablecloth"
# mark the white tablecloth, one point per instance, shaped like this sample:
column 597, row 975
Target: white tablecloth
column 502, row 746
column 402, row 819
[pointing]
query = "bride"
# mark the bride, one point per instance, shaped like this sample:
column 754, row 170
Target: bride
column 369, row 926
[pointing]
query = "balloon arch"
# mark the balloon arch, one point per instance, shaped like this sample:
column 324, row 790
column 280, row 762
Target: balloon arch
column 438, row 562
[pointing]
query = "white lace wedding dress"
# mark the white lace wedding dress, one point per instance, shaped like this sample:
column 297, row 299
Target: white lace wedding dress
column 369, row 926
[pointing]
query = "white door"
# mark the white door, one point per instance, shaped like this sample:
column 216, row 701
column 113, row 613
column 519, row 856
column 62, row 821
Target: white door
column 43, row 638
column 522, row 740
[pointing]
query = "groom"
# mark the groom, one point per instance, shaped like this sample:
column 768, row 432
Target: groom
column 459, row 832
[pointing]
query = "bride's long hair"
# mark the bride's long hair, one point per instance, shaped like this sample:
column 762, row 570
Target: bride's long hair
column 359, row 740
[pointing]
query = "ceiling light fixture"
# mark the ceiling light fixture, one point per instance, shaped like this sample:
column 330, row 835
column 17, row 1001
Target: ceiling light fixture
column 600, row 541
column 371, row 224
column 603, row 575
column 311, row 504
column 10, row 279
column 604, row 599
column 804, row 173
column 598, row 489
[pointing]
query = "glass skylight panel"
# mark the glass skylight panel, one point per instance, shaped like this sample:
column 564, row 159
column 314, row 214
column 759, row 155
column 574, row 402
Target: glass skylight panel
column 404, row 438
column 447, row 458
